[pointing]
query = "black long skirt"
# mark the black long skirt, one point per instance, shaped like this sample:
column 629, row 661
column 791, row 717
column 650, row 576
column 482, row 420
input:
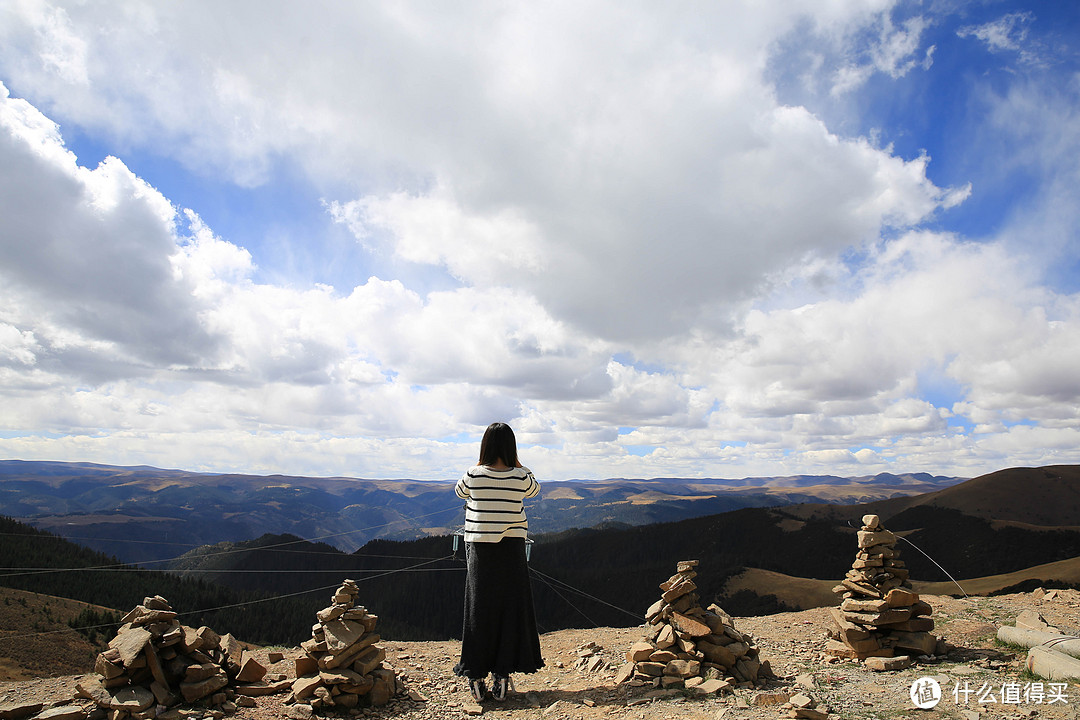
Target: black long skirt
column 499, row 631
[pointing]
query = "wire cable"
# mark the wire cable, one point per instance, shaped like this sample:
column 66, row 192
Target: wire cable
column 571, row 588
column 240, row 604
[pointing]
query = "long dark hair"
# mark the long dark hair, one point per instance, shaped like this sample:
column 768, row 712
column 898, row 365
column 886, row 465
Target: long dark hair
column 499, row 443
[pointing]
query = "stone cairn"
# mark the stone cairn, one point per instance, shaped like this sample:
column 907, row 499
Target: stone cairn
column 154, row 664
column 342, row 666
column 880, row 619
column 690, row 647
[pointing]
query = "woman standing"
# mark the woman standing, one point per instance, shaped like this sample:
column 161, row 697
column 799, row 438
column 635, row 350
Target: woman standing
column 499, row 632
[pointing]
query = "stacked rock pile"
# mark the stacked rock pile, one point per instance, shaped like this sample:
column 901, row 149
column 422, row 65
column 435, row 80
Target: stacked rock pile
column 342, row 667
column 154, row 663
column 691, row 647
column 880, row 619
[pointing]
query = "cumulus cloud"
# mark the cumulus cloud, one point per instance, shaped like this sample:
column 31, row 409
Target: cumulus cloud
column 645, row 260
column 89, row 253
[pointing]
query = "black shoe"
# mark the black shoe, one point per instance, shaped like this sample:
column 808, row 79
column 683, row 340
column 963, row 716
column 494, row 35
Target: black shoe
column 501, row 683
column 478, row 689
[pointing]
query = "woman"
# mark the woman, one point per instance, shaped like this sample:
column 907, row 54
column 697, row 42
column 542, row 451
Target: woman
column 499, row 632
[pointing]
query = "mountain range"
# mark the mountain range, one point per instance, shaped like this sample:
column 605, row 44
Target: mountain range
column 997, row 531
column 146, row 515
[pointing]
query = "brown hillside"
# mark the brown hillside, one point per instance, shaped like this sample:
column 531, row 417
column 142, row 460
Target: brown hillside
column 1043, row 497
column 806, row 593
column 35, row 639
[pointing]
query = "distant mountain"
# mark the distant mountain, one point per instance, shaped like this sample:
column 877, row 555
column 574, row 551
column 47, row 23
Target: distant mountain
column 145, row 515
column 1044, row 497
column 584, row 577
column 609, row 576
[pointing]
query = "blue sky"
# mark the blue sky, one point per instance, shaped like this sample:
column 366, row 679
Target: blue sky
column 707, row 240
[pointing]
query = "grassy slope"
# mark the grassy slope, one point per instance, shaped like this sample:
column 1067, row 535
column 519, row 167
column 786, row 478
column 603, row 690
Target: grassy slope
column 804, row 593
column 35, row 639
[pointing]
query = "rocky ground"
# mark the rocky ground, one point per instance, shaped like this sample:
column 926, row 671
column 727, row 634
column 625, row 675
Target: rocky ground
column 792, row 642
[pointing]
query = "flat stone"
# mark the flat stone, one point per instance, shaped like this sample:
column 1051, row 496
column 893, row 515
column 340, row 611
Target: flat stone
column 210, row 639
column 864, row 606
column 200, row 672
column 666, row 638
column 682, row 668
column 766, row 699
column 901, row 597
column 679, row 589
column 340, row 675
column 132, row 699
column 18, row 710
column 718, row 654
column 881, row 664
column 915, row 624
column 712, row 687
column 690, row 626
column 861, row 588
column 869, row 538
column 107, row 669
column 130, row 644
column 91, row 688
column 380, row 693
column 304, row 687
column 1032, row 620
column 193, row 691
column 639, row 651
column 810, row 714
column 141, row 615
column 650, row 668
column 893, row 615
column 331, row 613
column 63, row 712
column 341, row 634
column 921, row 643
column 300, row 711
column 369, row 660
column 260, row 688
column 250, row 669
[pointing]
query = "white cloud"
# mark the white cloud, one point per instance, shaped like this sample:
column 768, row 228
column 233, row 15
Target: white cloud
column 1009, row 32
column 588, row 181
column 89, row 250
column 894, row 52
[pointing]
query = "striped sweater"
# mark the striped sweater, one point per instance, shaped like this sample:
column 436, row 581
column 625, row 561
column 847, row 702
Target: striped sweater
column 495, row 506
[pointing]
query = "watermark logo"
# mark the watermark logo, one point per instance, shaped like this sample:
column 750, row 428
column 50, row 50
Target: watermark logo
column 925, row 693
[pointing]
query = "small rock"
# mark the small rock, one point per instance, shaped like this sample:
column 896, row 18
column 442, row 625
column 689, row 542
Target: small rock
column 881, row 664
column 301, row 711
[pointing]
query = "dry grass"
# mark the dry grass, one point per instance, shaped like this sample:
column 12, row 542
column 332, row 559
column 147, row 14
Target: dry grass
column 35, row 639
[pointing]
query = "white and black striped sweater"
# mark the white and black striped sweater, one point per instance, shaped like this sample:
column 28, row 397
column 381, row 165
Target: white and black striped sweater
column 495, row 505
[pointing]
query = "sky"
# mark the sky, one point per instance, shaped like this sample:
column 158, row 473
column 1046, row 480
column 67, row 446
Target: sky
column 718, row 239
